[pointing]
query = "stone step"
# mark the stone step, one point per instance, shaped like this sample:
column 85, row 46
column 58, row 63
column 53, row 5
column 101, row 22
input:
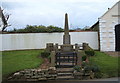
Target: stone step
column 65, row 63
column 66, row 60
column 65, row 77
column 64, row 66
column 66, row 53
column 65, row 57
column 65, row 70
column 70, row 55
column 64, row 74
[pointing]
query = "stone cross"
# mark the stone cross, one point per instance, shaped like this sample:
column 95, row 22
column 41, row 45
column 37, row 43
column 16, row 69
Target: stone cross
column 66, row 36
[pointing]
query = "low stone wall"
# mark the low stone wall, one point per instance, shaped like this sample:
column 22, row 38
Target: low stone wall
column 83, row 75
column 34, row 75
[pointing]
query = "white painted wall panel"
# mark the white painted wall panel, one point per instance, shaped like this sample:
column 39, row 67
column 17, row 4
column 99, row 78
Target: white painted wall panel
column 39, row 40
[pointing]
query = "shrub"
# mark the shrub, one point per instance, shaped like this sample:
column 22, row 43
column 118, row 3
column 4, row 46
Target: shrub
column 45, row 54
column 84, row 64
column 87, row 68
column 95, row 68
column 77, row 68
column 90, row 53
column 84, row 58
column 49, row 58
column 98, row 75
column 90, row 67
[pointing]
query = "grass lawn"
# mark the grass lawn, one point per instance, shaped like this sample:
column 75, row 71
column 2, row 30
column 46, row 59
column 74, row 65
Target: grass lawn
column 107, row 64
column 13, row 61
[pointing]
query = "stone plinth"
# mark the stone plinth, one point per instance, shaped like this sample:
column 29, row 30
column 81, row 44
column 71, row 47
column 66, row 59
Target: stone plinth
column 66, row 39
column 67, row 48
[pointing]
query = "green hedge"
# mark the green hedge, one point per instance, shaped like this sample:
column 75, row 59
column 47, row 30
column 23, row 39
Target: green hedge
column 45, row 54
column 90, row 53
column 37, row 29
column 84, row 58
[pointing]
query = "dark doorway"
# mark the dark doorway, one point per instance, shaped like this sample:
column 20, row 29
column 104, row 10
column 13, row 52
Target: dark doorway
column 117, row 37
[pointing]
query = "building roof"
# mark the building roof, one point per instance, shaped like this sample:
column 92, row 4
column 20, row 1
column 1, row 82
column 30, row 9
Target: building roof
column 110, row 9
column 94, row 25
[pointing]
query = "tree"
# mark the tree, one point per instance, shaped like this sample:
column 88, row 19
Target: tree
column 4, row 20
column 37, row 29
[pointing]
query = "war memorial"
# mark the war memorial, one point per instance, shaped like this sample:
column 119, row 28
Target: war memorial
column 65, row 62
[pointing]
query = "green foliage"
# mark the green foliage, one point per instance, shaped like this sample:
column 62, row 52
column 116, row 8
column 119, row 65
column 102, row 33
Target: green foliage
column 54, row 29
column 95, row 68
column 84, row 58
column 37, row 29
column 90, row 53
column 49, row 57
column 77, row 68
column 13, row 61
column 106, row 63
column 98, row 75
column 45, row 54
column 102, row 65
column 87, row 68
column 90, row 67
column 84, row 64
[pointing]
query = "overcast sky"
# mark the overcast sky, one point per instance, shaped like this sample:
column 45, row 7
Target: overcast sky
column 51, row 12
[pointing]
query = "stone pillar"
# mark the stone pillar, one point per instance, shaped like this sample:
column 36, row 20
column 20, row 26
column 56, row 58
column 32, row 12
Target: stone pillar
column 66, row 36
column 49, row 47
column 85, row 46
column 76, row 47
column 52, row 58
column 56, row 47
column 79, row 58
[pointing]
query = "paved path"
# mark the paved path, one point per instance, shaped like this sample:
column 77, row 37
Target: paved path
column 107, row 80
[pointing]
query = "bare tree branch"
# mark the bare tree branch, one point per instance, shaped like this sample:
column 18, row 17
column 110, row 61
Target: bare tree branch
column 4, row 19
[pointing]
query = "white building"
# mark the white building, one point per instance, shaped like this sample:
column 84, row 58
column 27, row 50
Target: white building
column 107, row 23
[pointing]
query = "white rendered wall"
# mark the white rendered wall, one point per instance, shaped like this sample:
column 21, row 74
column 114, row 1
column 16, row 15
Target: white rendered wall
column 107, row 29
column 39, row 40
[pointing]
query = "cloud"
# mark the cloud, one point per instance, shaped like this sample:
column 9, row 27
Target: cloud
column 64, row 1
column 51, row 12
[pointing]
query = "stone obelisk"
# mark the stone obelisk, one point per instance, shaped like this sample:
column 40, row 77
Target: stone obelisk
column 66, row 36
